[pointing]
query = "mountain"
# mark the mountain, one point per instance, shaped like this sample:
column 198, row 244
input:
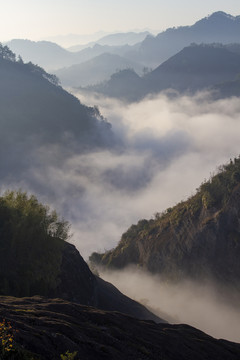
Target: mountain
column 194, row 68
column 117, row 39
column 196, row 239
column 150, row 51
column 44, row 53
column 124, row 84
column 72, row 39
column 37, row 115
column 53, row 329
column 52, row 57
column 227, row 89
column 219, row 27
column 36, row 259
column 96, row 70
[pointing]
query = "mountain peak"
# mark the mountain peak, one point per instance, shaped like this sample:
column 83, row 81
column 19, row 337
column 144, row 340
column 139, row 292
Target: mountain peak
column 221, row 14
column 217, row 17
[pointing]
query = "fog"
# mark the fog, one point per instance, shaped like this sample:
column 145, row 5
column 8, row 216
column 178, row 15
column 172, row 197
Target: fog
column 165, row 149
column 196, row 304
column 169, row 148
column 162, row 150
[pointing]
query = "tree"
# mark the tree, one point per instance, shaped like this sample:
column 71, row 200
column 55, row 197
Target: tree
column 31, row 242
column 6, row 53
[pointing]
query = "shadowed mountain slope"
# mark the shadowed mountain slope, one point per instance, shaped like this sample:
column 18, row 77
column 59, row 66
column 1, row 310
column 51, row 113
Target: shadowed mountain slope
column 194, row 68
column 52, row 56
column 37, row 114
column 118, row 39
column 35, row 259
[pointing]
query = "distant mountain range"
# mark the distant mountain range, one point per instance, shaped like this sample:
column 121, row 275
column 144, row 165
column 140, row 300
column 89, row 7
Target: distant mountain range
column 96, row 70
column 149, row 51
column 52, row 56
column 118, row 39
column 196, row 67
column 218, row 27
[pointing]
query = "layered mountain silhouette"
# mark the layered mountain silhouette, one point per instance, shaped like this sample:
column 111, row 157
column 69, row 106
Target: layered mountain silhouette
column 52, row 56
column 44, row 53
column 197, row 239
column 117, row 39
column 96, row 70
column 218, row 27
column 149, row 51
column 196, row 67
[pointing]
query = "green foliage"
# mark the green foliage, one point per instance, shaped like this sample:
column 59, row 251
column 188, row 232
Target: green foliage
column 68, row 355
column 31, row 242
column 212, row 195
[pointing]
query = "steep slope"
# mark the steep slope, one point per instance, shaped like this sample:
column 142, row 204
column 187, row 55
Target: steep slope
column 197, row 239
column 219, row 27
column 35, row 259
column 96, row 70
column 45, row 329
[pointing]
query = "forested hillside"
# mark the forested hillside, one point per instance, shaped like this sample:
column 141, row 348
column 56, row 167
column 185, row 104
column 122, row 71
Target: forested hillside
column 197, row 239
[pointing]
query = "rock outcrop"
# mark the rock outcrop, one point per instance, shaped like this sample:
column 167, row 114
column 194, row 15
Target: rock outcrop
column 45, row 329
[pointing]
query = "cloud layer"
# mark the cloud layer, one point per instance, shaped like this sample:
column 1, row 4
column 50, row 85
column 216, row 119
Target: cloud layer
column 165, row 149
column 196, row 304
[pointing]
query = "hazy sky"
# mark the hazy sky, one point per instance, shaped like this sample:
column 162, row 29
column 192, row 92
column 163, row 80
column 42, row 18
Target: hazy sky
column 34, row 19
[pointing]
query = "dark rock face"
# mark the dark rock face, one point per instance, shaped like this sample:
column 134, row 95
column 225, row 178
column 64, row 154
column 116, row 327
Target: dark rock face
column 76, row 281
column 48, row 328
column 78, row 284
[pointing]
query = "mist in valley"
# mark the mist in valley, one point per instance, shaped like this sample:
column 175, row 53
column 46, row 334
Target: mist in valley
column 162, row 150
column 197, row 304
column 165, row 149
column 168, row 148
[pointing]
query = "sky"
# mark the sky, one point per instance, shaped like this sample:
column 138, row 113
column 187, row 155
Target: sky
column 38, row 20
